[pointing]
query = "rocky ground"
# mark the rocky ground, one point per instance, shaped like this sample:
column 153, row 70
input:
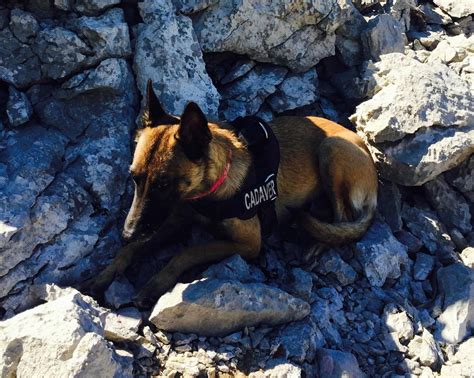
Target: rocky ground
column 400, row 302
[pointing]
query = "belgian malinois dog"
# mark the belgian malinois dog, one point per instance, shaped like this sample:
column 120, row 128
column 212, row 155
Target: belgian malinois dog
column 178, row 159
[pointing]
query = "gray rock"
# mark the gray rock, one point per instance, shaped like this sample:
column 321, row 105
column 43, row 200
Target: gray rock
column 120, row 292
column 92, row 7
column 107, row 35
column 213, row 307
column 411, row 241
column 240, row 68
column 19, row 109
column 301, row 284
column 467, row 256
column 61, row 52
column 122, row 325
column 462, row 178
column 333, row 363
column 295, row 91
column 331, row 262
column 426, row 226
column 389, row 205
column 293, row 35
column 451, row 207
column 462, row 363
column 279, row 367
column 234, row 268
column 23, row 25
column 456, row 8
column 19, row 65
column 300, row 341
column 63, row 337
column 246, row 95
column 383, row 35
column 380, row 254
column 424, row 349
column 456, row 284
column 326, row 316
column 111, row 75
column 435, row 15
column 398, row 322
column 424, row 130
column 168, row 52
column 423, row 266
column 193, row 6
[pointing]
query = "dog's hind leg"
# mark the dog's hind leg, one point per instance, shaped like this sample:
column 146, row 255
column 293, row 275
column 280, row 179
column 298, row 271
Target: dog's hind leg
column 244, row 239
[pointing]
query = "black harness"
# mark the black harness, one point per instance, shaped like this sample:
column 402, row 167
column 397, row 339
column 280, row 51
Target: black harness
column 259, row 191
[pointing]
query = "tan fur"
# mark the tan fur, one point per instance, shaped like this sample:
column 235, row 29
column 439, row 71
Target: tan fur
column 318, row 157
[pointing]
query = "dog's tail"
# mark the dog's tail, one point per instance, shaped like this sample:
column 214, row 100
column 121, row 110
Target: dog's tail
column 336, row 233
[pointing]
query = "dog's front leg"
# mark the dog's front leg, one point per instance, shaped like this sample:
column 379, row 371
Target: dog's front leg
column 173, row 225
column 244, row 239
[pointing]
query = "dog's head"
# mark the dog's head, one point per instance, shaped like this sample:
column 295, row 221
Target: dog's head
column 170, row 162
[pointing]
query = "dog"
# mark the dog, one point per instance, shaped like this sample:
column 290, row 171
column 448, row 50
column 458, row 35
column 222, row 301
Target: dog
column 178, row 161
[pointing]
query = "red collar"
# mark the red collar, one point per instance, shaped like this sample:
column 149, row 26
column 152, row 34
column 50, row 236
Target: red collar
column 219, row 181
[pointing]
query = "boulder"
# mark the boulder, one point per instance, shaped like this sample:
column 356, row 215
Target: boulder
column 451, row 206
column 462, row 363
column 23, row 25
column 234, row 268
column 119, row 293
column 246, row 95
column 123, row 325
column 331, row 262
column 398, row 322
column 414, row 141
column 19, row 109
column 381, row 254
column 63, row 337
column 423, row 266
column 424, row 349
column 293, row 35
column 456, row 8
column 213, row 307
column 168, row 52
column 333, row 363
column 456, row 284
column 300, row 341
column 383, row 35
column 295, row 91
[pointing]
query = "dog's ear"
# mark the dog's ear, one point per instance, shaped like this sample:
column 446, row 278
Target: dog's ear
column 193, row 133
column 154, row 114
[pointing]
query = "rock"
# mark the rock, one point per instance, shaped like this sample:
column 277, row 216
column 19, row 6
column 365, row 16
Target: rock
column 19, row 109
column 123, row 325
column 326, row 317
column 424, row 349
column 111, row 75
column 19, row 65
column 107, row 35
column 451, row 207
column 300, row 341
column 380, row 254
column 301, row 284
column 383, row 35
column 467, row 256
column 389, row 205
column 423, row 266
column 426, row 226
column 246, row 95
column 23, row 25
column 398, row 322
column 234, row 268
column 331, row 262
column 333, row 363
column 212, row 307
column 63, row 337
column 434, row 15
column 462, row 178
column 120, row 292
column 278, row 368
column 295, row 91
column 412, row 242
column 456, row 284
column 240, row 68
column 462, row 361
column 418, row 146
column 456, row 8
column 276, row 32
column 93, row 7
column 193, row 6
column 168, row 52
